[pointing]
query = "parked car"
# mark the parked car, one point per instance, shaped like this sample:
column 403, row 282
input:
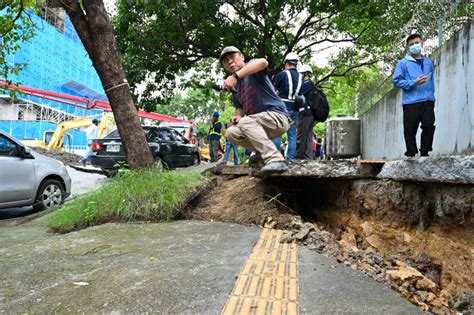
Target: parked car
column 168, row 147
column 28, row 178
column 206, row 155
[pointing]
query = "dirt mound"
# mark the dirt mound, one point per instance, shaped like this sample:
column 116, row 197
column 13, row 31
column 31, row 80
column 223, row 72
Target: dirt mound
column 65, row 157
column 242, row 200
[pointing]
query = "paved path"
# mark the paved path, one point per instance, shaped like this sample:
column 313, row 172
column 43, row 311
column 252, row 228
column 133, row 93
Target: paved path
column 184, row 267
column 84, row 182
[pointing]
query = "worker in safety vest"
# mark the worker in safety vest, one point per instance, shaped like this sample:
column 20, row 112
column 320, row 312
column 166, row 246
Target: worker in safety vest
column 214, row 137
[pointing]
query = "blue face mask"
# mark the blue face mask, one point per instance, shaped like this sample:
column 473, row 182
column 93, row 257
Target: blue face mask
column 415, row 49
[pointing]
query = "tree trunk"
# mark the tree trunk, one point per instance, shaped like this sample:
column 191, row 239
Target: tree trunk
column 95, row 30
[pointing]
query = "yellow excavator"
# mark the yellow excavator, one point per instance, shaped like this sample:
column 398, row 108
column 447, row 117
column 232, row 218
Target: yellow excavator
column 54, row 140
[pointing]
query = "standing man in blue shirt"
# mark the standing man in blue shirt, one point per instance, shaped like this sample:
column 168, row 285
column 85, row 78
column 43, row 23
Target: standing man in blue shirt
column 287, row 85
column 260, row 115
column 414, row 74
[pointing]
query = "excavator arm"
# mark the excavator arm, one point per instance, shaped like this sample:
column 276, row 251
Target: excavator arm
column 56, row 141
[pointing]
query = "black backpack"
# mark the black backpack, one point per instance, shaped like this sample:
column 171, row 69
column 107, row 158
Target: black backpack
column 319, row 105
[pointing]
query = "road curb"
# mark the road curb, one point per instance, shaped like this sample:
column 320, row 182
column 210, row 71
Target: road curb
column 86, row 169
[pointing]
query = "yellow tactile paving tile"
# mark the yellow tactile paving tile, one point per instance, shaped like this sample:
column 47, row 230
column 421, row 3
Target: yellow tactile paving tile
column 268, row 282
column 267, row 287
column 259, row 306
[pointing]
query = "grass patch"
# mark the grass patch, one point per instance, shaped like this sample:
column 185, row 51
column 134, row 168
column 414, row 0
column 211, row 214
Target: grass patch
column 143, row 195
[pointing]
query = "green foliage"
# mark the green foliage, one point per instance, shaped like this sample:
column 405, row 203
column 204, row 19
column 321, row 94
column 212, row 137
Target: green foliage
column 168, row 38
column 15, row 28
column 143, row 195
column 197, row 104
column 347, row 95
column 343, row 92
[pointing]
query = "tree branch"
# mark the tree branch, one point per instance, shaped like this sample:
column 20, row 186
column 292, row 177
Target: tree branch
column 334, row 73
column 18, row 15
column 184, row 35
column 263, row 8
column 353, row 39
column 242, row 12
column 300, row 30
column 324, row 40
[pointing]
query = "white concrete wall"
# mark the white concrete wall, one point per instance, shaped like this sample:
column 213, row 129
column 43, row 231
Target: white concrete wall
column 8, row 112
column 11, row 111
column 29, row 114
column 382, row 126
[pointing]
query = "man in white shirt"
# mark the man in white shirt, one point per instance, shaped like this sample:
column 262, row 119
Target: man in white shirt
column 92, row 132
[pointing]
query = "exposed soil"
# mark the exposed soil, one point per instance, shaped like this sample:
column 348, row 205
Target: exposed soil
column 241, row 200
column 65, row 157
column 431, row 266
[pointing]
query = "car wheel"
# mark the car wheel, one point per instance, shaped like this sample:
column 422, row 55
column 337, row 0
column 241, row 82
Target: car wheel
column 196, row 160
column 50, row 195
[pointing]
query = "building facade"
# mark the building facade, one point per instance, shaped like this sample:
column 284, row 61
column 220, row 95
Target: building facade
column 56, row 62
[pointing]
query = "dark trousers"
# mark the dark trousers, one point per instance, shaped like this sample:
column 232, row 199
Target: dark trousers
column 413, row 115
column 304, row 136
column 214, row 146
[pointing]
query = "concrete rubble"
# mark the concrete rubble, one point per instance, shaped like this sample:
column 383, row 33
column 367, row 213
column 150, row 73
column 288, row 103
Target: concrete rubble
column 410, row 277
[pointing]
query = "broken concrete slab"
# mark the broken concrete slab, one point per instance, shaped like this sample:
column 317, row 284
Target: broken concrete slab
column 315, row 169
column 238, row 170
column 333, row 169
column 445, row 169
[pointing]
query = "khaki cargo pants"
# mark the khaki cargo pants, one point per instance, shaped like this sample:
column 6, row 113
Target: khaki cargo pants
column 254, row 132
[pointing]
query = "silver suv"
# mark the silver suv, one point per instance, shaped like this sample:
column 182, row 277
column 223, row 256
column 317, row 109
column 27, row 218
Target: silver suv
column 28, row 178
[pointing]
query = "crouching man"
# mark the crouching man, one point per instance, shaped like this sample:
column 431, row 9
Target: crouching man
column 260, row 115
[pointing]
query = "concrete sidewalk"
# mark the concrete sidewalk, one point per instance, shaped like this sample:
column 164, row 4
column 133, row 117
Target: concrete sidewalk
column 183, row 267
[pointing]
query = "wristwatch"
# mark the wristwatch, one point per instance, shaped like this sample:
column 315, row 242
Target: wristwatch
column 235, row 75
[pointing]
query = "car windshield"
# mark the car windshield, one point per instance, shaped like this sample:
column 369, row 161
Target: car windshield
column 113, row 134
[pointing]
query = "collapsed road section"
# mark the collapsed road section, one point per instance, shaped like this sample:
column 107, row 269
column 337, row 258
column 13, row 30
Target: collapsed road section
column 405, row 223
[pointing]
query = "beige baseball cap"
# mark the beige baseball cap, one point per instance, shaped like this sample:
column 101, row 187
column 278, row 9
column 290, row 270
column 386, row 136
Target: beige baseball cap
column 228, row 50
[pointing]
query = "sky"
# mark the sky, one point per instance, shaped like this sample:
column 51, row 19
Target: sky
column 110, row 6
